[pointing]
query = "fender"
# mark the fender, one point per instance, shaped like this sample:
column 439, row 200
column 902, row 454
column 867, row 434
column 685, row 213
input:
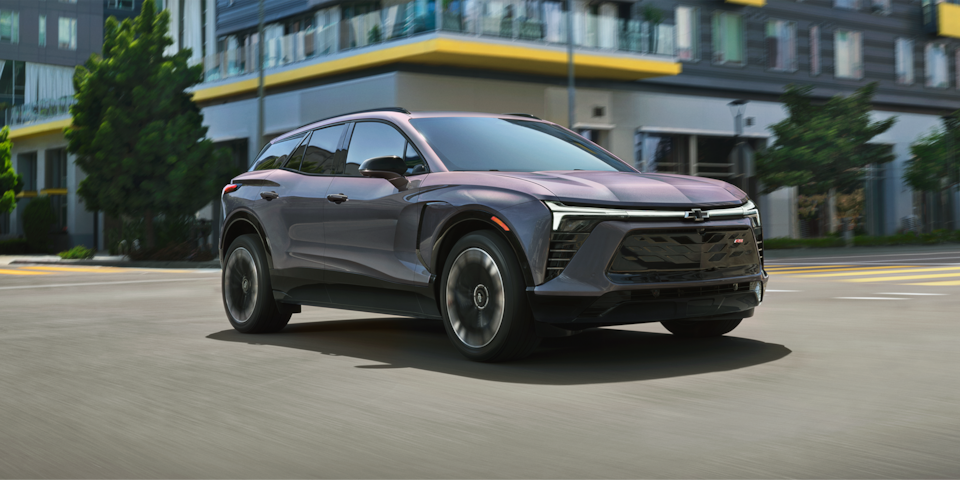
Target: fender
column 243, row 215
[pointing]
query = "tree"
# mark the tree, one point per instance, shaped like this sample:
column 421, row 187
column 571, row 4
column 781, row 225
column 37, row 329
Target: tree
column 822, row 148
column 10, row 182
column 136, row 132
column 934, row 166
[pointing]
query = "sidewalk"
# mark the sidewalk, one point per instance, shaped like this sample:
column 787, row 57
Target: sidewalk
column 101, row 261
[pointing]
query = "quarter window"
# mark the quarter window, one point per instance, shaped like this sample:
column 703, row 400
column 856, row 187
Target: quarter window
column 320, row 156
column 727, row 38
column 781, row 43
column 372, row 139
column 848, row 54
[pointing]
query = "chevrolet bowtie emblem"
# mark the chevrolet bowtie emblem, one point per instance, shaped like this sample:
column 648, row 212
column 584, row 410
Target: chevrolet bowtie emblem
column 697, row 215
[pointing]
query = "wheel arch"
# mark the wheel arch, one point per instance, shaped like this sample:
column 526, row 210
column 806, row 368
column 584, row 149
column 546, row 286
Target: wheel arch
column 468, row 222
column 242, row 223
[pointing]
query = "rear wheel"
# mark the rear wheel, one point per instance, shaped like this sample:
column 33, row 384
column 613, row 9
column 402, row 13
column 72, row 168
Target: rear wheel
column 247, row 292
column 701, row 328
column 483, row 300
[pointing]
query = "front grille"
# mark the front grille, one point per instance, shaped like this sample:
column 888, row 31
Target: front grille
column 685, row 255
column 562, row 248
column 613, row 299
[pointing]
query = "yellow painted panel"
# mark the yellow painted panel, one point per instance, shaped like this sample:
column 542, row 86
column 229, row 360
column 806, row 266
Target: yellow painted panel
column 464, row 54
column 948, row 20
column 30, row 194
column 4, row 271
column 56, row 126
column 751, row 3
column 53, row 191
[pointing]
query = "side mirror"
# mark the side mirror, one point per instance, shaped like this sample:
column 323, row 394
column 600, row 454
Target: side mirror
column 392, row 168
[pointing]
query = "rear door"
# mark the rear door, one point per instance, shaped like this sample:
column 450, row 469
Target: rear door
column 370, row 238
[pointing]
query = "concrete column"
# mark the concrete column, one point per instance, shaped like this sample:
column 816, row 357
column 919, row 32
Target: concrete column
column 173, row 6
column 211, row 27
column 79, row 219
column 41, row 169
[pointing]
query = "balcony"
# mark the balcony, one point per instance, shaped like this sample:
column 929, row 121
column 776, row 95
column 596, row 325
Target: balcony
column 39, row 112
column 941, row 18
column 488, row 36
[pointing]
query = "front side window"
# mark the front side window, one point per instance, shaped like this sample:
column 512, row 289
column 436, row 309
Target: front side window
column 781, row 43
column 904, row 59
column 275, row 155
column 9, row 26
column 370, row 140
column 415, row 163
column 68, row 33
column 497, row 144
column 687, row 33
column 728, row 39
column 320, row 155
column 936, row 65
column 848, row 54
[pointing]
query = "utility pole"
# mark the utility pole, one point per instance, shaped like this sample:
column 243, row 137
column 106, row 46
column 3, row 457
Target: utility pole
column 260, row 112
column 571, row 92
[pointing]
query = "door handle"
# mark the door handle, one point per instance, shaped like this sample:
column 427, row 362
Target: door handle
column 337, row 198
column 269, row 195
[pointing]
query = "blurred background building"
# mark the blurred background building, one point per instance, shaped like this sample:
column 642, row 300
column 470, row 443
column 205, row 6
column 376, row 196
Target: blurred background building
column 660, row 83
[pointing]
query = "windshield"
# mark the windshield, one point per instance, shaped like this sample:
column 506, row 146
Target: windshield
column 497, row 144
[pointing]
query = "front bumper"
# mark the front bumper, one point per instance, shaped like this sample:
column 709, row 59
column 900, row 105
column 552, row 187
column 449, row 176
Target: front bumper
column 587, row 293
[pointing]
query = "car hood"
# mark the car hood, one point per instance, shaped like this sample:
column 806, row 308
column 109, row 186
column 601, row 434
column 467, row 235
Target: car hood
column 633, row 189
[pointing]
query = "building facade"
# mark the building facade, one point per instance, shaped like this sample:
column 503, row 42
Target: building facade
column 654, row 79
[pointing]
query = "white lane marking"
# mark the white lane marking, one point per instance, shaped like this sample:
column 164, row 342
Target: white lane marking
column 783, row 291
column 869, row 298
column 19, row 287
column 904, row 293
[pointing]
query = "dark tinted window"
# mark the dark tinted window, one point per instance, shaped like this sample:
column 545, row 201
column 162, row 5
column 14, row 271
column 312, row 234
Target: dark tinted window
column 372, row 139
column 415, row 164
column 485, row 143
column 320, row 155
column 274, row 155
column 297, row 157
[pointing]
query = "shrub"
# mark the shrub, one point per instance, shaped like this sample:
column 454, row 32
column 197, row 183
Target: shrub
column 78, row 252
column 38, row 220
column 16, row 246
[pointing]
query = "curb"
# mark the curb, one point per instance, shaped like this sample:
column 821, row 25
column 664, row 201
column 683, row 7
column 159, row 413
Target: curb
column 121, row 263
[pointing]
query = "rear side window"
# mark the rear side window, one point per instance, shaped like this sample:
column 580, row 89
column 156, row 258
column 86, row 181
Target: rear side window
column 275, row 155
column 320, row 156
column 372, row 139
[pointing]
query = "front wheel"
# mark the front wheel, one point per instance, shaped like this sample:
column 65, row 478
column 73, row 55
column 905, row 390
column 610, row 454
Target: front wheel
column 247, row 291
column 483, row 300
column 701, row 328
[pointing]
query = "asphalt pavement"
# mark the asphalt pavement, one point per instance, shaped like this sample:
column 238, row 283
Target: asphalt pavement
column 849, row 369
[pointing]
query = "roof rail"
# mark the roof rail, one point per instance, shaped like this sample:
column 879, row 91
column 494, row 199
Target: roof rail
column 382, row 109
column 524, row 115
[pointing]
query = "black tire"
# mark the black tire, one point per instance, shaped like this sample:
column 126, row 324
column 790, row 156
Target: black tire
column 246, row 289
column 470, row 307
column 701, row 328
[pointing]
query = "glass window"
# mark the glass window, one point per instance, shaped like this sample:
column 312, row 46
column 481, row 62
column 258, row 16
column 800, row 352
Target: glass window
column 372, row 139
column 9, row 26
column 68, row 1
column 294, row 162
column 728, row 38
column 936, row 65
column 122, row 4
column 781, row 43
column 848, row 4
column 415, row 164
column 43, row 30
column 688, row 37
column 881, row 7
column 274, row 156
column 496, row 144
column 814, row 50
column 904, row 59
column 848, row 54
column 320, row 156
column 68, row 33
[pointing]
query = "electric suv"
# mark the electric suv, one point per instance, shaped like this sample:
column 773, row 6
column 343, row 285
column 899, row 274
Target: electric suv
column 507, row 228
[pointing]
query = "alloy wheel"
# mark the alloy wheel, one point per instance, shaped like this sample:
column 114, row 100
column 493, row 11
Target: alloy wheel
column 475, row 297
column 242, row 285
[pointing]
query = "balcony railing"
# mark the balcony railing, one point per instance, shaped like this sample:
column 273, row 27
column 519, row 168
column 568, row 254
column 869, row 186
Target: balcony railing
column 39, row 111
column 543, row 26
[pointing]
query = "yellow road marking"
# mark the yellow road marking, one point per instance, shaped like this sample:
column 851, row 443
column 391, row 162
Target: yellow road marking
column 904, row 270
column 903, row 277
column 847, row 271
column 20, row 272
column 78, row 269
column 947, row 283
column 805, row 267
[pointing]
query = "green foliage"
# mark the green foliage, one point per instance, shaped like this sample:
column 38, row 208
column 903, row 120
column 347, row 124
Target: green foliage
column 38, row 220
column 934, row 165
column 819, row 147
column 15, row 246
column 652, row 14
column 177, row 238
column 10, row 182
column 78, row 252
column 137, row 134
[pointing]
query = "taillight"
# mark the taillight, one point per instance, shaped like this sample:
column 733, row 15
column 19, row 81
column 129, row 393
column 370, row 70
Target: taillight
column 230, row 188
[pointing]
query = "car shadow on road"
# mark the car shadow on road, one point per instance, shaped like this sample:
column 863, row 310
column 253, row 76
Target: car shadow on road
column 594, row 356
